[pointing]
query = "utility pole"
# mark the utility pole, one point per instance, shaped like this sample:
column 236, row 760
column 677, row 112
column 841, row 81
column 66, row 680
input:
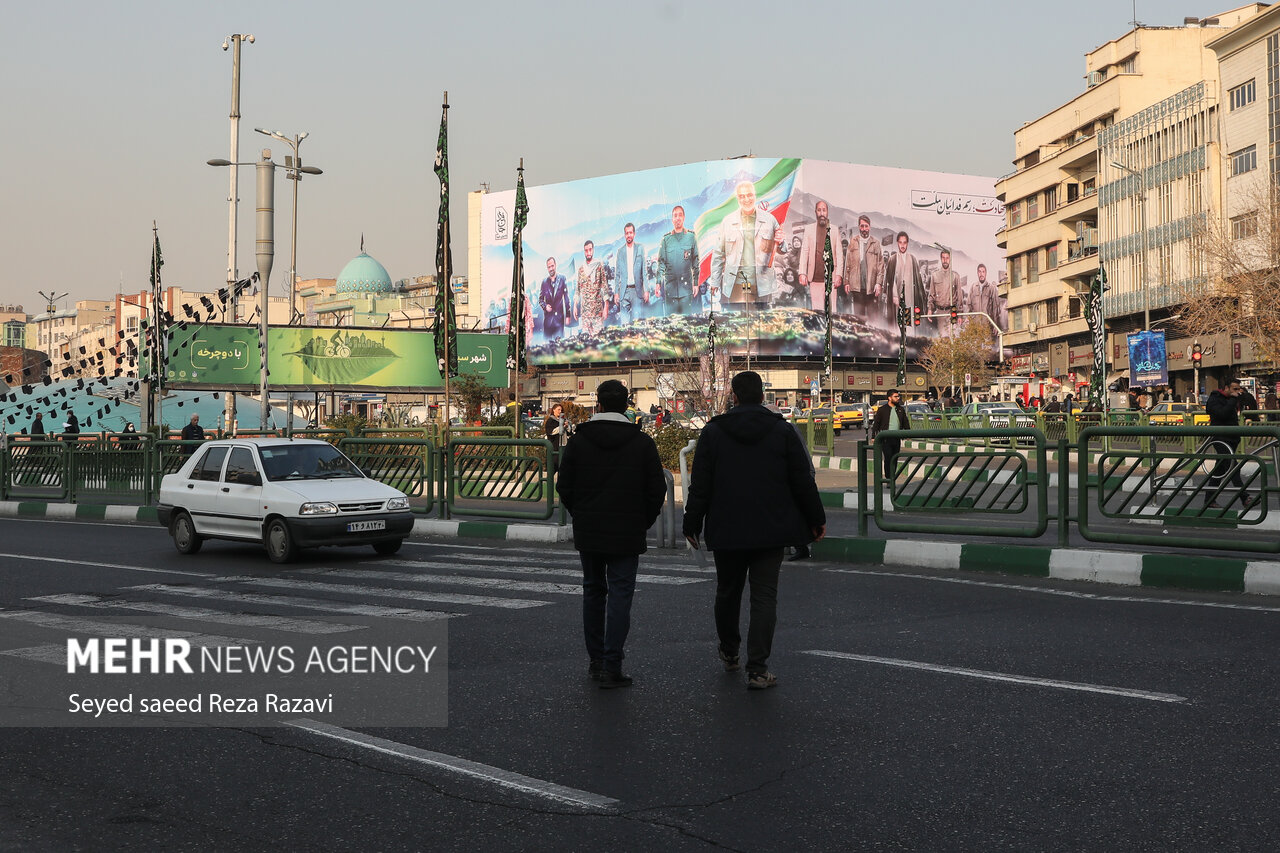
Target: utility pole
column 234, row 41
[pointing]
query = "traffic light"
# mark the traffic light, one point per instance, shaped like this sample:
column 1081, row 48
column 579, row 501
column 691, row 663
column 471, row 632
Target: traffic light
column 916, row 312
column 1196, row 355
column 955, row 315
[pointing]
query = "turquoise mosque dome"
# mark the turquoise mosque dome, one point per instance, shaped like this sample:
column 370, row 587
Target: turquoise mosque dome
column 363, row 274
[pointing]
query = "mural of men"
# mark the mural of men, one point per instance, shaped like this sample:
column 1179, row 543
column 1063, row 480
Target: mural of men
column 944, row 287
column 984, row 296
column 813, row 272
column 592, row 308
column 554, row 300
column 678, row 266
column 863, row 273
column 902, row 275
column 742, row 252
column 630, row 295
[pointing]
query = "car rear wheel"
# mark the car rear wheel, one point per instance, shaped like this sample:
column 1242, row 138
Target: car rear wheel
column 386, row 549
column 185, row 538
column 279, row 542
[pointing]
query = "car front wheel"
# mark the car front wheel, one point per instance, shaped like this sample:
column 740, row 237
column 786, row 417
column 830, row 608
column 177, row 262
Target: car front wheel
column 386, row 549
column 279, row 542
column 185, row 538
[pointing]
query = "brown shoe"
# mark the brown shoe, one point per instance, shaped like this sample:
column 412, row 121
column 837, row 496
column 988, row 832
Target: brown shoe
column 761, row 680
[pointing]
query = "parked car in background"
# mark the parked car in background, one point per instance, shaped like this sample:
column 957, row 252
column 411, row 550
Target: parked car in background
column 998, row 415
column 286, row 493
column 822, row 413
column 1174, row 414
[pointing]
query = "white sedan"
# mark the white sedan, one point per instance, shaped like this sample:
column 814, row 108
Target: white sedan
column 285, row 493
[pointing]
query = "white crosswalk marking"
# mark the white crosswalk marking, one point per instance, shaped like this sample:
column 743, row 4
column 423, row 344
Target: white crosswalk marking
column 529, row 570
column 386, row 592
column 203, row 614
column 72, row 625
column 456, row 580
column 299, row 602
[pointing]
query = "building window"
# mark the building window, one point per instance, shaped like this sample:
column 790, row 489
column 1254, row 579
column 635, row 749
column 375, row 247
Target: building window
column 131, row 324
column 1051, row 311
column 1129, row 66
column 1051, row 256
column 1015, row 214
column 1244, row 226
column 1015, row 319
column 1033, row 267
column 1050, row 199
column 1075, row 307
column 1243, row 95
column 1244, row 160
column 1015, row 271
column 1033, row 207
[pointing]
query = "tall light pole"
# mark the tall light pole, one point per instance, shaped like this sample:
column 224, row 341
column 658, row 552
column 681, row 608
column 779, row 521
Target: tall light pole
column 294, row 171
column 235, row 40
column 1146, row 300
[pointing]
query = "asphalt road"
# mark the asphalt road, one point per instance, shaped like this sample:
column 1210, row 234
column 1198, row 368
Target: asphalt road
column 916, row 711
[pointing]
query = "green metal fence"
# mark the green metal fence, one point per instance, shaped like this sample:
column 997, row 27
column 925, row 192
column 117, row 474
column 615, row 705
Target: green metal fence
column 956, row 484
column 499, row 477
column 34, row 470
column 407, row 464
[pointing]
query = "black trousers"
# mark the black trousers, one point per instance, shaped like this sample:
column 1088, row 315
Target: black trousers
column 733, row 570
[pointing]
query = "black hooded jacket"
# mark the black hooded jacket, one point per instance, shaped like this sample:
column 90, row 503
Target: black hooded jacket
column 751, row 484
column 1223, row 411
column 611, row 483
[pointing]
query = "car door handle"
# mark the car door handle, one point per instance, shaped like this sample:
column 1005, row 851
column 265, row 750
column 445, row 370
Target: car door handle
column 191, row 485
column 225, row 489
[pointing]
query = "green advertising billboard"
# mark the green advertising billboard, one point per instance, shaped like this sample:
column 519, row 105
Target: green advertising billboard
column 308, row 358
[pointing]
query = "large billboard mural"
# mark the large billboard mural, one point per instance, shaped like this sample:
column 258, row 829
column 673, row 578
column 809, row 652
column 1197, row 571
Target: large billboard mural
column 301, row 358
column 636, row 266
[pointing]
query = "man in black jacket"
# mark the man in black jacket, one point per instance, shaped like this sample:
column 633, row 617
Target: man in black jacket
column 1223, row 408
column 752, row 489
column 892, row 414
column 611, row 482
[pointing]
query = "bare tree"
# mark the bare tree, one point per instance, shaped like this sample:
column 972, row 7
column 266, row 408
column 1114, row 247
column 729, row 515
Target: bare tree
column 968, row 350
column 1241, row 262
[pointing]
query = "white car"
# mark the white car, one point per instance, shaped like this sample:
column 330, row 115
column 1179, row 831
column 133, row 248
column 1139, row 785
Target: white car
column 285, row 493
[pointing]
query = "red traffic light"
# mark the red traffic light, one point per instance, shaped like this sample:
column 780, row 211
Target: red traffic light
column 955, row 315
column 916, row 312
column 1197, row 355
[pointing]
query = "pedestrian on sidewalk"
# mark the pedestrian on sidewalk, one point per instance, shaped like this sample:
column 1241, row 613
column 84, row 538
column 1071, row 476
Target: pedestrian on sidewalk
column 752, row 490
column 192, row 432
column 885, row 420
column 611, row 482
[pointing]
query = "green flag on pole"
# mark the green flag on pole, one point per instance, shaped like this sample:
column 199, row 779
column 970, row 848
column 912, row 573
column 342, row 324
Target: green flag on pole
column 829, row 265
column 446, row 321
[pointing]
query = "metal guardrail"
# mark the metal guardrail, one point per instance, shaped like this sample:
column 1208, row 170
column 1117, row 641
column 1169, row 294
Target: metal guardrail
column 1210, row 488
column 407, row 464
column 994, row 481
column 489, row 475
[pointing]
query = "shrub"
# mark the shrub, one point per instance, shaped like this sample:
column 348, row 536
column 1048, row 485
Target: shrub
column 671, row 439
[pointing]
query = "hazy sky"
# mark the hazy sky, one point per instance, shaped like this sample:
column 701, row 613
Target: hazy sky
column 112, row 110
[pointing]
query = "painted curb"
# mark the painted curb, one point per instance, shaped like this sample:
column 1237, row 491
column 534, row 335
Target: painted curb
column 1183, row 571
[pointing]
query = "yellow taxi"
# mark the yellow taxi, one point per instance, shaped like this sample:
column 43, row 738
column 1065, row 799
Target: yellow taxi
column 820, row 415
column 849, row 415
column 1173, row 414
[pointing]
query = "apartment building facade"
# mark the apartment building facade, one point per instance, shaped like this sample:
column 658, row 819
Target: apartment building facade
column 1056, row 229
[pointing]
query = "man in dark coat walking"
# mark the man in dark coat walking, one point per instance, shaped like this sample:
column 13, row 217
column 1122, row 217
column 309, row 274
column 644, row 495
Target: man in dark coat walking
column 891, row 415
column 752, row 490
column 611, row 482
column 1223, row 408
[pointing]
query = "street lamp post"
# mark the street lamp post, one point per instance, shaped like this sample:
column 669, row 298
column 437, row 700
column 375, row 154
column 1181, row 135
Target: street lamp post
column 235, row 41
column 1146, row 300
column 293, row 172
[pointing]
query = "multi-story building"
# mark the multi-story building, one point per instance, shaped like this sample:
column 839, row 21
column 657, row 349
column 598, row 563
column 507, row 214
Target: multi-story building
column 1052, row 235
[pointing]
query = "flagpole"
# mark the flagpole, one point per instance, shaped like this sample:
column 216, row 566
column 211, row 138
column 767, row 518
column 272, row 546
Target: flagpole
column 155, row 334
column 515, row 373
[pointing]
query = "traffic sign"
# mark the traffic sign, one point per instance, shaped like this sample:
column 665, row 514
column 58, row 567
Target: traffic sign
column 815, row 387
column 968, row 379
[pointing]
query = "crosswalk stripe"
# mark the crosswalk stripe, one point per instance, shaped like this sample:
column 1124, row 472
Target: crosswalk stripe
column 73, row 625
column 299, row 602
column 386, row 592
column 529, row 570
column 456, row 580
column 203, row 614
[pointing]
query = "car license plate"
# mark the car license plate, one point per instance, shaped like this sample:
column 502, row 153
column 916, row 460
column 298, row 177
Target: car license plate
column 357, row 526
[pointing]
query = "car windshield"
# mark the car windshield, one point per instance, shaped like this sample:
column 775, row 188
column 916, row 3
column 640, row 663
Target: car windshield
column 306, row 462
